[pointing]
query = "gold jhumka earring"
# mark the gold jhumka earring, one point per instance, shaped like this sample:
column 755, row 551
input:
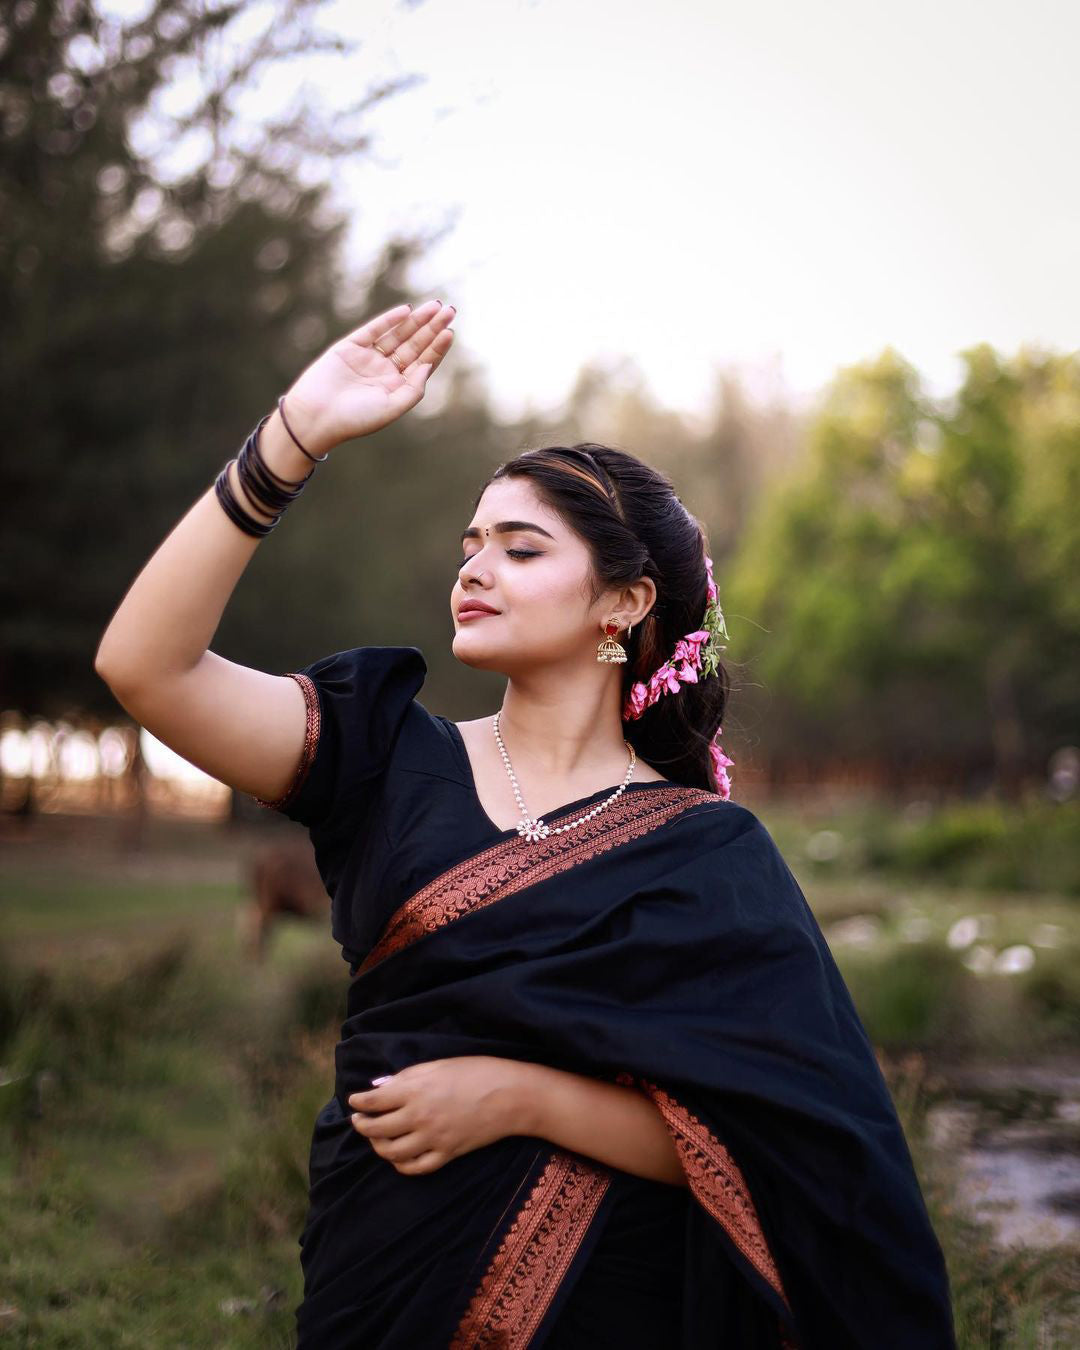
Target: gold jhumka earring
column 611, row 651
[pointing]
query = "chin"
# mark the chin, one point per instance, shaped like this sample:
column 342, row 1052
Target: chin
column 475, row 653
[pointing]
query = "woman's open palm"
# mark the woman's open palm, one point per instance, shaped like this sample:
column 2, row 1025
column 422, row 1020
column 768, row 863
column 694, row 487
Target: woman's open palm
column 372, row 376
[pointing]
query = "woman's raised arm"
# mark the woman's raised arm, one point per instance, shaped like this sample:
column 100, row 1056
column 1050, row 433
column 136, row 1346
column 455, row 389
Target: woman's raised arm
column 243, row 726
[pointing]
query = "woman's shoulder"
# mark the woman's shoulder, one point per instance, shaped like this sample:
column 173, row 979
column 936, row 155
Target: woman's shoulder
column 376, row 690
column 738, row 877
column 729, row 825
column 367, row 670
column 358, row 702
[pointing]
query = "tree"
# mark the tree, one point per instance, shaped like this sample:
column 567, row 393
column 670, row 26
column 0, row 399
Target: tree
column 146, row 311
column 910, row 584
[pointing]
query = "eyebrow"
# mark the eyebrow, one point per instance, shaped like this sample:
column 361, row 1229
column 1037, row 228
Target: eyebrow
column 506, row 527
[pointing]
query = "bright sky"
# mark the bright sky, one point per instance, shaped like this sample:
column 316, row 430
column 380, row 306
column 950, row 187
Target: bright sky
column 779, row 185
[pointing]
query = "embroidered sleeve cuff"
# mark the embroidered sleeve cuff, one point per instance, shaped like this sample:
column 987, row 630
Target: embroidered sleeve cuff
column 311, row 741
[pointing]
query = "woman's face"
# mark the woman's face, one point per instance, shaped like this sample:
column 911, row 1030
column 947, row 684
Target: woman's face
column 534, row 578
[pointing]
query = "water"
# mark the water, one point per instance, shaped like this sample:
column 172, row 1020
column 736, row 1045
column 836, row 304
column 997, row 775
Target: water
column 1014, row 1133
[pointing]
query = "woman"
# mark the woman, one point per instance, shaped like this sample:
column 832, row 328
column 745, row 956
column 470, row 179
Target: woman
column 600, row 1082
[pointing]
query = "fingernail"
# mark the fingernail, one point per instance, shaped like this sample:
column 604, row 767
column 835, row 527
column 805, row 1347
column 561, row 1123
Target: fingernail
column 376, row 1081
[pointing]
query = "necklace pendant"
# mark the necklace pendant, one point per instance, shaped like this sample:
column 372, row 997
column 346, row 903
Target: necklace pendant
column 533, row 830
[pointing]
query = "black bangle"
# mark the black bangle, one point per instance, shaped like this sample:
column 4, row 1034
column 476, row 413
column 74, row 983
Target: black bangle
column 262, row 486
column 236, row 513
column 257, row 448
column 260, row 483
column 315, row 459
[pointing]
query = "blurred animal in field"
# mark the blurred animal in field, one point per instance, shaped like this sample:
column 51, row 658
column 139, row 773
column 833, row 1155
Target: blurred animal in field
column 283, row 880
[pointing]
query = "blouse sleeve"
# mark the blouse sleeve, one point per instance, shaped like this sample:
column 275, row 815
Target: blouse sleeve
column 356, row 701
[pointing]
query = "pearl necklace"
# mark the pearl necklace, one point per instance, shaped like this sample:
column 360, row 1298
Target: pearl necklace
column 535, row 830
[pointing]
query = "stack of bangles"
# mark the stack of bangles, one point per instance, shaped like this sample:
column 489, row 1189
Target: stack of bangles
column 262, row 486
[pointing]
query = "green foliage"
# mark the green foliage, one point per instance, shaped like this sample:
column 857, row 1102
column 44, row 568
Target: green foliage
column 1052, row 995
column 1032, row 845
column 157, row 1112
column 317, row 996
column 909, row 997
column 906, row 591
column 921, row 997
column 949, row 841
column 151, row 315
column 895, row 581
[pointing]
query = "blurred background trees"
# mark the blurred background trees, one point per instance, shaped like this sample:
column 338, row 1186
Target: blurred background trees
column 148, row 319
column 910, row 581
column 893, row 568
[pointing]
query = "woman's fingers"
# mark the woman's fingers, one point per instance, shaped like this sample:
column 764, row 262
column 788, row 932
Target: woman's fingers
column 405, row 1151
column 403, row 316
column 369, row 333
column 430, row 1161
column 402, row 1149
column 407, row 336
column 415, row 375
column 408, row 346
column 384, row 1125
column 393, row 326
column 433, row 353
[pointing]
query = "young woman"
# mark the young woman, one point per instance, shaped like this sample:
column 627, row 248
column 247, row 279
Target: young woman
column 600, row 1082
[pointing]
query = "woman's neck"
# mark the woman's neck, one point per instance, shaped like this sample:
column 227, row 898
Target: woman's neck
column 563, row 730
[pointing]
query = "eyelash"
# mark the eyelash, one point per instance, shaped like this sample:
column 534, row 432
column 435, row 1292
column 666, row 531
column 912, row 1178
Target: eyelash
column 511, row 552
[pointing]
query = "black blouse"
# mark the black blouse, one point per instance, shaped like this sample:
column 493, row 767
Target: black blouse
column 385, row 788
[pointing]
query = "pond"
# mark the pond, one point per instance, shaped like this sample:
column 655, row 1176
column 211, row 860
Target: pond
column 1013, row 1131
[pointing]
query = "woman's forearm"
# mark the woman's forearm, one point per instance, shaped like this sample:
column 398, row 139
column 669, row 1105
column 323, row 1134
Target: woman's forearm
column 171, row 611
column 613, row 1124
column 162, row 630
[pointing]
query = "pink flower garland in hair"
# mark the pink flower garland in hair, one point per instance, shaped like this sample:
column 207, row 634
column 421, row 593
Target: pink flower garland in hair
column 695, row 655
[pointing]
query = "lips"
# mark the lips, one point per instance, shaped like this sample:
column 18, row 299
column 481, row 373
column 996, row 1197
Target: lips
column 474, row 609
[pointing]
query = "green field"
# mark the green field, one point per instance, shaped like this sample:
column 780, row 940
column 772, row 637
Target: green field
column 158, row 1089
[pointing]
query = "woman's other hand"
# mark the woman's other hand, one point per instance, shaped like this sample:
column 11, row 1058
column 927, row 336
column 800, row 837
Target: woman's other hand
column 370, row 377
column 426, row 1114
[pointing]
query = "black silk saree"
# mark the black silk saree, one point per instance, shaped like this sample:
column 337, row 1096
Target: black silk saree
column 664, row 945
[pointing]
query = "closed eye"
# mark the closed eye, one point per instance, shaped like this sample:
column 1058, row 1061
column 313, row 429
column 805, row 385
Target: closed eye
column 511, row 553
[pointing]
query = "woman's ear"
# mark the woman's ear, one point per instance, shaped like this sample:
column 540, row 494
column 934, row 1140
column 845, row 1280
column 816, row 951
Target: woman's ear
column 637, row 600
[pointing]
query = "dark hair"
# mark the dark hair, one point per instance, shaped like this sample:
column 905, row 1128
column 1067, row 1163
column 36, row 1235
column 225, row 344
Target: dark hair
column 635, row 525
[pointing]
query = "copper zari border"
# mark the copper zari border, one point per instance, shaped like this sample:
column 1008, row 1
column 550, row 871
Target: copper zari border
column 717, row 1182
column 514, row 863
column 311, row 742
column 534, row 1255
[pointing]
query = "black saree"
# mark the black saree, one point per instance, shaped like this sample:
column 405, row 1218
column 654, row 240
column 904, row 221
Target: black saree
column 664, row 945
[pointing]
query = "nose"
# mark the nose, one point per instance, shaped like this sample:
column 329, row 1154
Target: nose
column 470, row 571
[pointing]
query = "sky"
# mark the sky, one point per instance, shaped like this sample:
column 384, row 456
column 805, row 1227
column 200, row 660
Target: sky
column 779, row 186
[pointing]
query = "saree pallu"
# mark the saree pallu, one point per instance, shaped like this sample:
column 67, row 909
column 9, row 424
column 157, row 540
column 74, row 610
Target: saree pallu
column 666, row 946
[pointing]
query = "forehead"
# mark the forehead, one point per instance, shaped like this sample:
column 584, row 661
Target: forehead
column 514, row 498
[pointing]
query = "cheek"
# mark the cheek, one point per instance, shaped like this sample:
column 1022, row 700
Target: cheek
column 550, row 605
column 535, row 588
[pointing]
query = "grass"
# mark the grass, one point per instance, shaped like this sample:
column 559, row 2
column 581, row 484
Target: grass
column 159, row 1110
column 159, row 1091
column 1015, row 1299
column 1031, row 846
